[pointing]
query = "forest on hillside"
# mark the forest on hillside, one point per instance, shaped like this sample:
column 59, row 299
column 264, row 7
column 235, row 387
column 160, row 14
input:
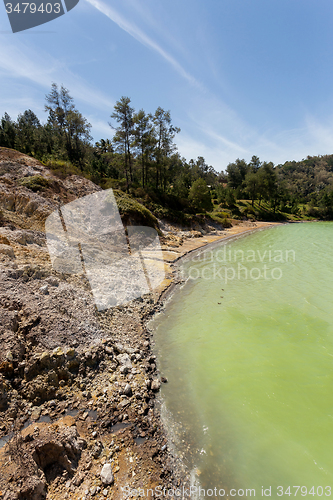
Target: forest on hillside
column 141, row 159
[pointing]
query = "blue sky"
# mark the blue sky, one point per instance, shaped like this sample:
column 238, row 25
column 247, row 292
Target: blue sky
column 239, row 77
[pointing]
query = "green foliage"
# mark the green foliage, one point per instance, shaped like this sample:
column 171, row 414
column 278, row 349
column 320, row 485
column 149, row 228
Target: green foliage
column 61, row 168
column 131, row 210
column 35, row 182
column 200, row 196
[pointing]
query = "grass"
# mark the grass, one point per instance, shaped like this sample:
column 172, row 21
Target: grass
column 63, row 169
column 131, row 210
column 35, row 182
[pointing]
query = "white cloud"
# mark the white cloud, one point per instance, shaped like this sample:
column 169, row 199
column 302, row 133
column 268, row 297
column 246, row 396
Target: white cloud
column 141, row 37
column 42, row 69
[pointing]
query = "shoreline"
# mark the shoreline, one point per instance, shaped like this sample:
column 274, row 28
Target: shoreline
column 193, row 247
column 165, row 295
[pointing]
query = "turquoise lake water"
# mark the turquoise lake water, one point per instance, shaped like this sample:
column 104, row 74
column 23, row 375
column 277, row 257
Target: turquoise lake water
column 248, row 353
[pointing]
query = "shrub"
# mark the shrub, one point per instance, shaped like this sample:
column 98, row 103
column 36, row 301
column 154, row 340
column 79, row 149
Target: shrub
column 200, row 195
column 62, row 168
column 35, row 182
column 131, row 209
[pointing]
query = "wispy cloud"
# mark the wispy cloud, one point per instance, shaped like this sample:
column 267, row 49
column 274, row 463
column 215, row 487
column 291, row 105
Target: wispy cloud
column 141, row 37
column 42, row 69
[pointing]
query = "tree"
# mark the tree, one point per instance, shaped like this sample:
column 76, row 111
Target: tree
column 254, row 164
column 251, row 184
column 200, row 195
column 27, row 138
column 165, row 133
column 7, row 132
column 70, row 129
column 236, row 173
column 123, row 114
column 144, row 140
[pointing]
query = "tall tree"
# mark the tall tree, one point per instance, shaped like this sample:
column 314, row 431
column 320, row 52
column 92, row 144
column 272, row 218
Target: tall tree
column 123, row 114
column 7, row 132
column 28, row 126
column 165, row 133
column 144, row 140
column 71, row 129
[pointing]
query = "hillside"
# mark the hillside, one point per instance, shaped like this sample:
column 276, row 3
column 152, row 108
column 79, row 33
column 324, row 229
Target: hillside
column 77, row 387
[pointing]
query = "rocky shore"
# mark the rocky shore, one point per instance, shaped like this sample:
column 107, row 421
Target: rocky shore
column 78, row 387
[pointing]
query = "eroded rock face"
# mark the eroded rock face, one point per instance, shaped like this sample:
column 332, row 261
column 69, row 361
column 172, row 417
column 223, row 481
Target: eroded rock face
column 38, row 456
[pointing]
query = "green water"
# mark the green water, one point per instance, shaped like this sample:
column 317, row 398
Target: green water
column 251, row 378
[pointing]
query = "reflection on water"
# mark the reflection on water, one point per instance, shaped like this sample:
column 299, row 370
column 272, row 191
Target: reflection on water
column 250, row 360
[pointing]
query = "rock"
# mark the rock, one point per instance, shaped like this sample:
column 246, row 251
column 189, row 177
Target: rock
column 97, row 449
column 44, row 289
column 3, row 394
column 35, row 413
column 51, row 280
column 9, row 356
column 45, row 360
column 155, row 385
column 128, row 390
column 7, row 250
column 70, row 353
column 164, row 380
column 125, row 362
column 52, row 378
column 106, row 474
column 105, row 492
column 4, row 240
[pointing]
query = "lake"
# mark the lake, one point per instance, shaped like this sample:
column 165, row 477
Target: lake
column 247, row 347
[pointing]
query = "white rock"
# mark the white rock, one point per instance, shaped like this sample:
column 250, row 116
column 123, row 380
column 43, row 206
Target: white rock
column 106, row 474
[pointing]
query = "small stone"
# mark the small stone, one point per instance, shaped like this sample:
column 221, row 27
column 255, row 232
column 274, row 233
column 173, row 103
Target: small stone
column 58, row 352
column 93, row 491
column 70, row 353
column 7, row 250
column 44, row 289
column 94, row 434
column 35, row 414
column 164, row 380
column 128, row 390
column 52, row 281
column 9, row 356
column 155, row 385
column 105, row 492
column 106, row 474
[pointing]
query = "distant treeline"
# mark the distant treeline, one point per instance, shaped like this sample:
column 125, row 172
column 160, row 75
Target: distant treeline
column 142, row 159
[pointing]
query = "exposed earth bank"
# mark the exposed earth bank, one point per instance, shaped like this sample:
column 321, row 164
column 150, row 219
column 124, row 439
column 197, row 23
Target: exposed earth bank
column 79, row 417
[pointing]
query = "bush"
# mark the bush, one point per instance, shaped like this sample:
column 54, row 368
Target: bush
column 35, row 182
column 200, row 195
column 131, row 209
column 62, row 168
